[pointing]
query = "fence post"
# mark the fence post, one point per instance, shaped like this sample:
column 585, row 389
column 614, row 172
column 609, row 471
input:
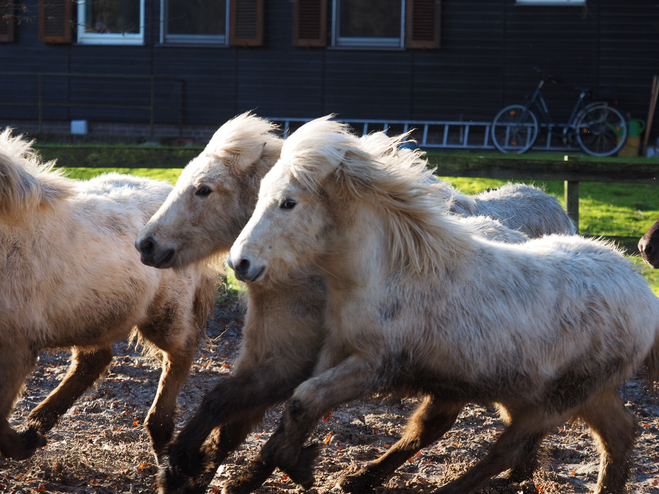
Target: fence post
column 572, row 201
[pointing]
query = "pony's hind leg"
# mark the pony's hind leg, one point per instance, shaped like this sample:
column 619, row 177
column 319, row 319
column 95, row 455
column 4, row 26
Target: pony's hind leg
column 85, row 368
column 430, row 421
column 614, row 427
column 515, row 445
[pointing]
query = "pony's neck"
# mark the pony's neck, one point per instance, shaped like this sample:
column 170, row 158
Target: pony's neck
column 357, row 249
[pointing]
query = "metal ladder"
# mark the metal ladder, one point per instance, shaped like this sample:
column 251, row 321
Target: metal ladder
column 430, row 134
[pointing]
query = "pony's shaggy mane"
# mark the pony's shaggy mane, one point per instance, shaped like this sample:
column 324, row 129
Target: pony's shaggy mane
column 413, row 202
column 243, row 136
column 25, row 181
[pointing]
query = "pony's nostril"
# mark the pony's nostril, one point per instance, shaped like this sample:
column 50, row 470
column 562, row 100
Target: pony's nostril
column 648, row 249
column 147, row 246
column 242, row 266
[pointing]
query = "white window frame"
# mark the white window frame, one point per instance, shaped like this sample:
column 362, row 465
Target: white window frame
column 196, row 39
column 108, row 38
column 551, row 2
column 363, row 42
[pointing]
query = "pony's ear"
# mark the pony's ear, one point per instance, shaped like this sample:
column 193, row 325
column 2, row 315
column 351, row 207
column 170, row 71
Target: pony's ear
column 239, row 159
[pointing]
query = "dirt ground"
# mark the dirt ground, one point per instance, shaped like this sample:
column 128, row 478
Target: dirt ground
column 100, row 445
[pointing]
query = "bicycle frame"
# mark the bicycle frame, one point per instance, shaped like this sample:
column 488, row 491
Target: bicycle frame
column 538, row 102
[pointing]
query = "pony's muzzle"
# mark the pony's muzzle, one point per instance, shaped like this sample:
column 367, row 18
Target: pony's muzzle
column 244, row 269
column 152, row 254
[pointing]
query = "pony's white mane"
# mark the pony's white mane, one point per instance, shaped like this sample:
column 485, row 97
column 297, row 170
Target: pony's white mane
column 25, row 181
column 245, row 137
column 422, row 236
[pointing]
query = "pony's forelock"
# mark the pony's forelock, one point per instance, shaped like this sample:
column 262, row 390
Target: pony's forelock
column 317, row 149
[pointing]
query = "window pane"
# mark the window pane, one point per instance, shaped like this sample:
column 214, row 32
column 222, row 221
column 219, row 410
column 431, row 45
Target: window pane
column 196, row 17
column 112, row 16
column 370, row 18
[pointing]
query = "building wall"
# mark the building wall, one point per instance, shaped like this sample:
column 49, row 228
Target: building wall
column 488, row 51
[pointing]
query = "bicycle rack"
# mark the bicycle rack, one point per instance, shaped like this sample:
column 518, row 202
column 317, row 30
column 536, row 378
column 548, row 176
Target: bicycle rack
column 431, row 134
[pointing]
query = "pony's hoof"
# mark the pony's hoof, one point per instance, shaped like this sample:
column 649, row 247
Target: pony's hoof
column 31, row 440
column 356, row 483
column 170, row 480
column 302, row 473
column 234, row 488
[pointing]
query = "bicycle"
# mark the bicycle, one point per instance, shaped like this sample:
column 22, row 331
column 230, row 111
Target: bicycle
column 599, row 128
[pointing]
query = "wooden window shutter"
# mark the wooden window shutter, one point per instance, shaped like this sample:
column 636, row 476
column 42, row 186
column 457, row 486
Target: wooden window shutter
column 7, row 21
column 246, row 23
column 55, row 21
column 310, row 23
column 423, row 24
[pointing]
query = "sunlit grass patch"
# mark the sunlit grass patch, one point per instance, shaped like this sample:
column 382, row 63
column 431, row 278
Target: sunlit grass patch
column 169, row 174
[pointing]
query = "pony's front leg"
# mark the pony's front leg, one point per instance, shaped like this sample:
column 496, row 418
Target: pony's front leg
column 235, row 399
column 85, row 368
column 430, row 421
column 222, row 441
column 159, row 422
column 351, row 379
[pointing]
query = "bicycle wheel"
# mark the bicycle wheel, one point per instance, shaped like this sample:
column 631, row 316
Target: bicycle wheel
column 601, row 129
column 514, row 129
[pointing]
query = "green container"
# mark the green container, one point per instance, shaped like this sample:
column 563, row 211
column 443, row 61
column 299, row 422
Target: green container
column 636, row 127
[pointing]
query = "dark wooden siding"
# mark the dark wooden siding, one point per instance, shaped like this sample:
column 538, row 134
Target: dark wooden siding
column 488, row 51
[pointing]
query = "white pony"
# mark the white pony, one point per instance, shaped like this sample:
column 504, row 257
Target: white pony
column 417, row 302
column 69, row 278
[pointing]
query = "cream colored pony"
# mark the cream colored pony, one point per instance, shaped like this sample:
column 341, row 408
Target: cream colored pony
column 70, row 278
column 417, row 302
column 211, row 202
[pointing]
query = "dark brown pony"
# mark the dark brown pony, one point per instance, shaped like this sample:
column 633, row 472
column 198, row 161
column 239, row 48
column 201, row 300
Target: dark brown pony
column 649, row 245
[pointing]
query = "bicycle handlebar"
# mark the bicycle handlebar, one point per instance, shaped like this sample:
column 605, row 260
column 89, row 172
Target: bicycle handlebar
column 546, row 77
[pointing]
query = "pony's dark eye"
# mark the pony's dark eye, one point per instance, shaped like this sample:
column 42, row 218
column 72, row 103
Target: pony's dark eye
column 203, row 191
column 287, row 204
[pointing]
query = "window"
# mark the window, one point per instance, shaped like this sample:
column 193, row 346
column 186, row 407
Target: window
column 368, row 23
column 111, row 22
column 194, row 21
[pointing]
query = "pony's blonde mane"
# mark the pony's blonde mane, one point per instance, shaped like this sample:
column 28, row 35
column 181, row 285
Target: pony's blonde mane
column 245, row 138
column 422, row 236
column 25, row 181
